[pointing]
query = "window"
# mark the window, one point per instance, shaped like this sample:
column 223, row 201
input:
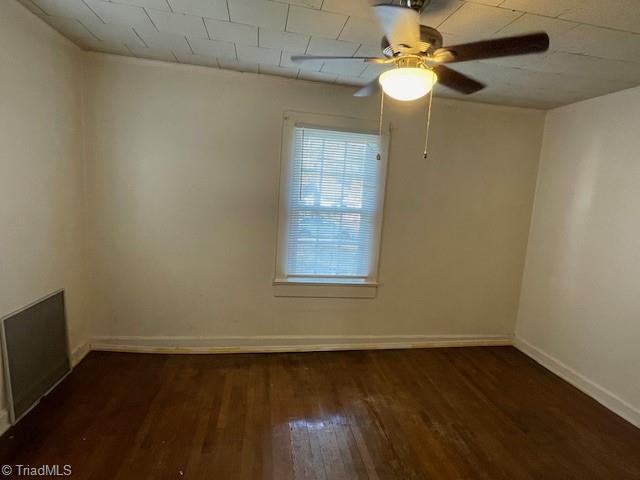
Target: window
column 331, row 197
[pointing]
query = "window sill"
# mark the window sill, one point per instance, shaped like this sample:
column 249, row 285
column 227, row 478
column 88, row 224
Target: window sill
column 314, row 289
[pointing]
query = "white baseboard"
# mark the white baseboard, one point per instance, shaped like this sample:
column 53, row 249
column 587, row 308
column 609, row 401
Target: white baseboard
column 293, row 343
column 4, row 420
column 289, row 343
column 78, row 353
column 609, row 399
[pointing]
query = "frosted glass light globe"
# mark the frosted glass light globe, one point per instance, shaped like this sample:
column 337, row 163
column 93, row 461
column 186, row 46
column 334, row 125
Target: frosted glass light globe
column 408, row 83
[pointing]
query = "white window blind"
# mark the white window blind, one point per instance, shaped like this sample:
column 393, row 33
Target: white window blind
column 333, row 202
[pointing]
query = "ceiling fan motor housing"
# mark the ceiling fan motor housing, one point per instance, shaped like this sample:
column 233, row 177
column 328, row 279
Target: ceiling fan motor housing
column 430, row 40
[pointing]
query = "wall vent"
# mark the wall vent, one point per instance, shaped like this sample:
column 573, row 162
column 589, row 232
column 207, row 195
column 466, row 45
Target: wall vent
column 35, row 352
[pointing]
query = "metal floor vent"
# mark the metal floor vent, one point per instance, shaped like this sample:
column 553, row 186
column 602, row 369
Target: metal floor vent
column 35, row 352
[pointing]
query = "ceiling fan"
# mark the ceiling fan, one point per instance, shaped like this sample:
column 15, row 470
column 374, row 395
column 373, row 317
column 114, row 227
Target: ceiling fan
column 419, row 57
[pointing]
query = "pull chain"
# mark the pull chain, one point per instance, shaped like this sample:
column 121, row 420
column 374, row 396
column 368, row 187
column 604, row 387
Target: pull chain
column 301, row 167
column 426, row 139
column 381, row 112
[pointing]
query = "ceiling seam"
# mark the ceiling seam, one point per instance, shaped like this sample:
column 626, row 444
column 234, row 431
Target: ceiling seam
column 286, row 20
column 343, row 25
column 189, row 43
column 450, row 15
column 140, row 37
column 151, row 19
column 510, row 23
column 206, row 29
column 88, row 30
column 94, row 12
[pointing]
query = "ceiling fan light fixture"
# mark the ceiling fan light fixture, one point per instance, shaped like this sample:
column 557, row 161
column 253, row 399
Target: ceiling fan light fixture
column 408, row 83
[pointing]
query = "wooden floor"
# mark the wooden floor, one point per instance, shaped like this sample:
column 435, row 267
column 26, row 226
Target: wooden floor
column 465, row 413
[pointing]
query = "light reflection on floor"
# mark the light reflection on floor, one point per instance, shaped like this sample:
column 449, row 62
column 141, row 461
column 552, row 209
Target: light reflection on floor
column 322, row 423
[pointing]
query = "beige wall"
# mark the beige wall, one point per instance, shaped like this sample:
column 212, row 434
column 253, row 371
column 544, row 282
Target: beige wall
column 183, row 182
column 41, row 168
column 580, row 306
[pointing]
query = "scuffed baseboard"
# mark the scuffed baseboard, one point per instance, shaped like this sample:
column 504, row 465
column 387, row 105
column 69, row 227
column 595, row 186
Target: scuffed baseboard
column 78, row 353
column 591, row 388
column 292, row 343
column 289, row 343
column 4, row 420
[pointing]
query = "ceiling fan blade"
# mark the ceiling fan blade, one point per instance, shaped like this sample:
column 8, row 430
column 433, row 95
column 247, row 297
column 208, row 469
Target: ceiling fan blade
column 304, row 58
column 401, row 25
column 456, row 80
column 369, row 89
column 500, row 47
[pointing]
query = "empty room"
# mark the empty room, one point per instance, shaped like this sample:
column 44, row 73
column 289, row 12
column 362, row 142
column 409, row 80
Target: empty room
column 320, row 239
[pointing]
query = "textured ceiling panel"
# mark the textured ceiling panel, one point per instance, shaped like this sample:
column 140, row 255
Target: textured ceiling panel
column 595, row 44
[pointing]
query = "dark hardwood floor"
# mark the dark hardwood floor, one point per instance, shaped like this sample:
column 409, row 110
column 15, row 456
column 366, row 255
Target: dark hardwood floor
column 464, row 413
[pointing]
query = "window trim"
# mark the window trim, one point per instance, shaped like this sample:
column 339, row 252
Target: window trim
column 327, row 287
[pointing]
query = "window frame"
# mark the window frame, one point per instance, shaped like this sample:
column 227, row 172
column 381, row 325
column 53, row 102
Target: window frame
column 318, row 286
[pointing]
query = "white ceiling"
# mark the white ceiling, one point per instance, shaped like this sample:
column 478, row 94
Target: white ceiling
column 595, row 44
